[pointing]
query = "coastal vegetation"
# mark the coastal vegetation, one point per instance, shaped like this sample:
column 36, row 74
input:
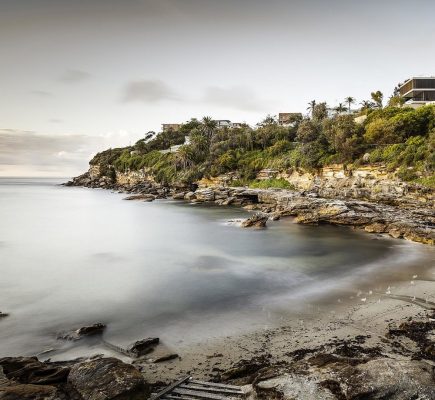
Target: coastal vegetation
column 402, row 138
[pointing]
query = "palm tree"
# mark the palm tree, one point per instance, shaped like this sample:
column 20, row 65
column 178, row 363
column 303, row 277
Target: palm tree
column 377, row 97
column 349, row 100
column 340, row 108
column 366, row 104
column 183, row 157
column 311, row 106
column 208, row 126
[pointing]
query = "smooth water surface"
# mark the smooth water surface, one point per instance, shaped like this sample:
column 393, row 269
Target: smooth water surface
column 75, row 256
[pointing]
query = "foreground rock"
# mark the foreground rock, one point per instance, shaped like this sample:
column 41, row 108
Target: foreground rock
column 3, row 315
column 107, row 378
column 91, row 330
column 30, row 370
column 256, row 221
column 27, row 378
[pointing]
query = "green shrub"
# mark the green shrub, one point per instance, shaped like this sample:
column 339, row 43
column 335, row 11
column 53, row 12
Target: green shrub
column 271, row 183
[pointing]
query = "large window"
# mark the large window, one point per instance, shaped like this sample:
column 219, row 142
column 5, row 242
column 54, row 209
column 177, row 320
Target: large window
column 424, row 83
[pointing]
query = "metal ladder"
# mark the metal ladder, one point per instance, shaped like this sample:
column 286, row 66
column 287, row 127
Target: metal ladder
column 191, row 389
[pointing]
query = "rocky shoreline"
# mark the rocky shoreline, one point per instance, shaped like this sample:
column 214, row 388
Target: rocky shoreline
column 413, row 221
column 381, row 348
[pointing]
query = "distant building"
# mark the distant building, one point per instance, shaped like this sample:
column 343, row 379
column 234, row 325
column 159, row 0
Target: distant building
column 418, row 91
column 170, row 127
column 237, row 125
column 222, row 123
column 288, row 119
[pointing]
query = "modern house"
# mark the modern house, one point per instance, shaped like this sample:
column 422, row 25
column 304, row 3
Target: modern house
column 418, row 91
column 170, row 127
column 222, row 123
column 288, row 119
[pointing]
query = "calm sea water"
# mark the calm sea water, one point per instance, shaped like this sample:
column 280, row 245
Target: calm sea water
column 75, row 256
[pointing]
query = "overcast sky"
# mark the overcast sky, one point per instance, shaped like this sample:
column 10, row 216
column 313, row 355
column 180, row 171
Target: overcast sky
column 77, row 76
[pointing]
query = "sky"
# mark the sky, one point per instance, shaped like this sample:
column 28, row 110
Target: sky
column 77, row 77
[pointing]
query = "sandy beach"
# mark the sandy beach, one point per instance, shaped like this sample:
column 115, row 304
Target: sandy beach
column 366, row 318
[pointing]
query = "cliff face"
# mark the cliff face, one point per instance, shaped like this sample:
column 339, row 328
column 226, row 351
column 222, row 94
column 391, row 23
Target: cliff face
column 371, row 183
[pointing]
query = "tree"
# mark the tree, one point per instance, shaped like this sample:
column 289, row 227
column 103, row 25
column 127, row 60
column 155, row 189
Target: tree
column 208, row 126
column 349, row 100
column 308, row 131
column 366, row 105
column 396, row 101
column 183, row 158
column 340, row 108
column 269, row 120
column 377, row 97
column 344, row 136
column 320, row 112
column 311, row 106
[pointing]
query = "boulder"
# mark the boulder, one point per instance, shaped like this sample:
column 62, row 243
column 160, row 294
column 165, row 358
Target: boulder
column 205, row 194
column 189, row 196
column 3, row 315
column 90, row 330
column 144, row 346
column 256, row 221
column 178, row 196
column 290, row 387
column 29, row 370
column 388, row 379
column 106, row 379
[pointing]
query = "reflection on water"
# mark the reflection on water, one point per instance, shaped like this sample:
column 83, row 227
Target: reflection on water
column 72, row 256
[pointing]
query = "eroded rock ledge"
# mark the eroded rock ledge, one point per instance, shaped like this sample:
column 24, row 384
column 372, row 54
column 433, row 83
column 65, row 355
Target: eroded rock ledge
column 412, row 220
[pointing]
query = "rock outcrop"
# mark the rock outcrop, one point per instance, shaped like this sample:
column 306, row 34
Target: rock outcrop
column 90, row 330
column 256, row 221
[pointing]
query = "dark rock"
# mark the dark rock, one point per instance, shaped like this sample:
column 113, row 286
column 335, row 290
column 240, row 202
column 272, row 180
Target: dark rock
column 91, row 330
column 143, row 346
column 245, row 371
column 256, row 221
column 29, row 370
column 167, row 357
column 3, row 315
column 106, row 379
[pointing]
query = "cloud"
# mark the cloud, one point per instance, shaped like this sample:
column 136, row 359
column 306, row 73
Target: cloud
column 41, row 93
column 28, row 153
column 236, row 97
column 147, row 91
column 74, row 76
